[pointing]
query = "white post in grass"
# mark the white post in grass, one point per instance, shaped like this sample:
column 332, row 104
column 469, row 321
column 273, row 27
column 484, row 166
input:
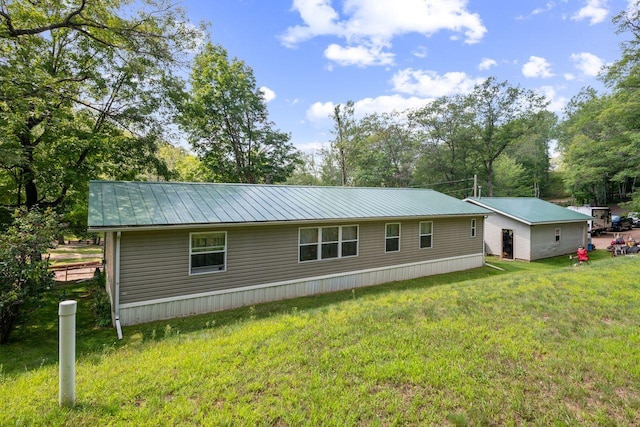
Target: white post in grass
column 67, row 349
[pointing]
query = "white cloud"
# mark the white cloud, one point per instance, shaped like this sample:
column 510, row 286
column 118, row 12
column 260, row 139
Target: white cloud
column 268, row 94
column 388, row 104
column 427, row 83
column 321, row 112
column 486, row 63
column 588, row 63
column 556, row 102
column 311, row 147
column 420, row 52
column 370, row 26
column 537, row 67
column 319, row 17
column 358, row 55
column 547, row 7
column 595, row 11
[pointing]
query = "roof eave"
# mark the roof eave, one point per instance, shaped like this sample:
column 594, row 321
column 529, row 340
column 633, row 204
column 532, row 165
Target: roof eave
column 149, row 227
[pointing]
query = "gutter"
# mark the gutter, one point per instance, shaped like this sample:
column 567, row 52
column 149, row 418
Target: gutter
column 117, row 291
column 340, row 220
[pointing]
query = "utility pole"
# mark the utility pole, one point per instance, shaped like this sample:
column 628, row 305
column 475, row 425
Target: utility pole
column 475, row 185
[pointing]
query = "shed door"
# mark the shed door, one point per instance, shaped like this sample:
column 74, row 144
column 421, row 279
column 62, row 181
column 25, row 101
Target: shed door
column 507, row 244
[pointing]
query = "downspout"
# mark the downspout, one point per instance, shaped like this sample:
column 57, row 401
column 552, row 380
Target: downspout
column 484, row 242
column 117, row 296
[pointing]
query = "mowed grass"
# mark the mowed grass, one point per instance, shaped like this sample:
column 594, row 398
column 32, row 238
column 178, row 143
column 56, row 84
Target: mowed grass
column 76, row 253
column 539, row 343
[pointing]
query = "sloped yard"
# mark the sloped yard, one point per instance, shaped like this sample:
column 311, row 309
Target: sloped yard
column 539, row 343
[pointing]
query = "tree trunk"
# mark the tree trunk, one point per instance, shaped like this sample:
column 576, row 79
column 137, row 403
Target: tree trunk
column 490, row 179
column 8, row 316
column 343, row 167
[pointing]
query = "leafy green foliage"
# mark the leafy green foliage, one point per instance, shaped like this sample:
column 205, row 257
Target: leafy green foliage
column 84, row 85
column 446, row 159
column 600, row 140
column 337, row 170
column 226, row 119
column 588, row 145
column 634, row 204
column 306, row 172
column 510, row 178
column 378, row 150
column 24, row 273
column 101, row 303
column 445, row 143
column 386, row 153
column 466, row 134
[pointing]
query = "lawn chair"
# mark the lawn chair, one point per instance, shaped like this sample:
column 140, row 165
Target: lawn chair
column 583, row 255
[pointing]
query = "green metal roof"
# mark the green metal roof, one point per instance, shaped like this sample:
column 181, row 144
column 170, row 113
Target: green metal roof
column 529, row 210
column 118, row 204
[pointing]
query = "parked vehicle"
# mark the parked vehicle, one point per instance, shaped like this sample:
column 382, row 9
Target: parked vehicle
column 601, row 215
column 620, row 223
column 635, row 216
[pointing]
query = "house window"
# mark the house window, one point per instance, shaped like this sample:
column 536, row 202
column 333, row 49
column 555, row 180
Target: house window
column 392, row 238
column 426, row 234
column 557, row 234
column 473, row 227
column 208, row 252
column 315, row 243
column 308, row 244
column 330, row 242
column 349, row 239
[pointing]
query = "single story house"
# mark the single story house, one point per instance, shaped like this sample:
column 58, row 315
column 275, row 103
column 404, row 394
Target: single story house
column 528, row 228
column 177, row 249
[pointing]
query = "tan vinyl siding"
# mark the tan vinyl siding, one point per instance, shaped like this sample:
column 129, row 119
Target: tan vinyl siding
column 155, row 264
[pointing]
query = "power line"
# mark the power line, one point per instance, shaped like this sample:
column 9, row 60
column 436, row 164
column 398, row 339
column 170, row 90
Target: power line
column 444, row 182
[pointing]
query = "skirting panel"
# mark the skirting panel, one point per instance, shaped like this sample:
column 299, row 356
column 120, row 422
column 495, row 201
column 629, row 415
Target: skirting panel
column 188, row 305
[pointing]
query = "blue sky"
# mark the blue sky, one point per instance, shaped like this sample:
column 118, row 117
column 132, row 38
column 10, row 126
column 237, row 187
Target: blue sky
column 310, row 55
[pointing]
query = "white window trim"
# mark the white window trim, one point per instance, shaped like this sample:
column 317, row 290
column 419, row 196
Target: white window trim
column 191, row 273
column 319, row 243
column 420, row 235
column 386, row 237
column 558, row 234
column 474, row 230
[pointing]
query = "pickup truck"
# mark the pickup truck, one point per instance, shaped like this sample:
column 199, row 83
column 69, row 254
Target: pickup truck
column 621, row 223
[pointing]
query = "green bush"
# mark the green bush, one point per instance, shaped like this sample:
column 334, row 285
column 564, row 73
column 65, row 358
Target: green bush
column 24, row 272
column 101, row 303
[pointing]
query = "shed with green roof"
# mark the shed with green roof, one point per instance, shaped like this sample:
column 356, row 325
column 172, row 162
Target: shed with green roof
column 176, row 249
column 528, row 228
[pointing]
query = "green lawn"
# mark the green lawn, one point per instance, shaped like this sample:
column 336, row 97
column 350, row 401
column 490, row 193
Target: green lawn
column 75, row 253
column 539, row 343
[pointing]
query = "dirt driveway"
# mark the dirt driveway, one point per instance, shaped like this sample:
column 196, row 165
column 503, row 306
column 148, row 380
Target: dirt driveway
column 604, row 240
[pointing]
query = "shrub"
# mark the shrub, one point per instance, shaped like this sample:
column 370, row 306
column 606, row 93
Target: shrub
column 24, row 272
column 101, row 303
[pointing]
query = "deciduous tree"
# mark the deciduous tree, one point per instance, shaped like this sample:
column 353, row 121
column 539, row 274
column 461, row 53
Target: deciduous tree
column 446, row 156
column 82, row 87
column 502, row 114
column 385, row 152
column 227, row 122
column 466, row 134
